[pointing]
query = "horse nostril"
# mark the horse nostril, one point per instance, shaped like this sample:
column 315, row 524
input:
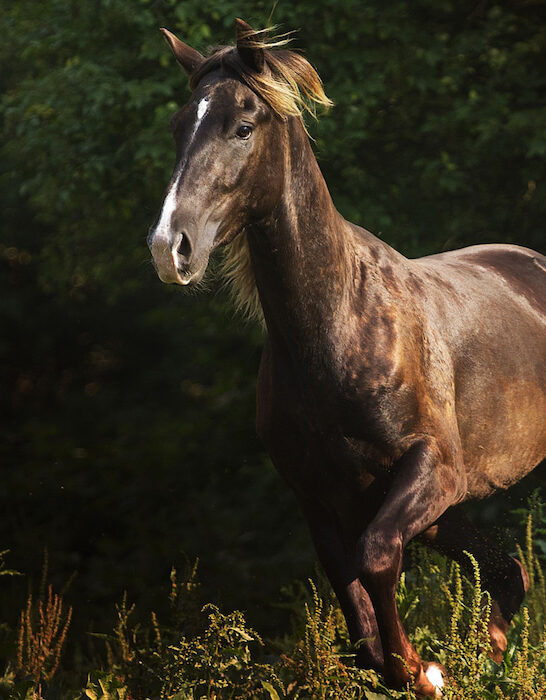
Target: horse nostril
column 184, row 249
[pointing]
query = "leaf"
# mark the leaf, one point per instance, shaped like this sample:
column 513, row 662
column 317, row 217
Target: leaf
column 102, row 685
column 271, row 690
column 243, row 634
column 25, row 690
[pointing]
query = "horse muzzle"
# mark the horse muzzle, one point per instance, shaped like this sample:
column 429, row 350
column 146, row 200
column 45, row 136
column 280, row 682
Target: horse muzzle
column 173, row 258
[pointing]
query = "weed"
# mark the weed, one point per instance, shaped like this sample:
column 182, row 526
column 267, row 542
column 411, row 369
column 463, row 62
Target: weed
column 42, row 632
column 199, row 652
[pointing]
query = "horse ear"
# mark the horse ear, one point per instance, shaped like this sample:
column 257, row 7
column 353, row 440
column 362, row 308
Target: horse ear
column 189, row 58
column 249, row 51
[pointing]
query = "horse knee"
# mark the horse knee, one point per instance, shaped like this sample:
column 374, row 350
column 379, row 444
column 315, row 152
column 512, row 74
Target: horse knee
column 379, row 555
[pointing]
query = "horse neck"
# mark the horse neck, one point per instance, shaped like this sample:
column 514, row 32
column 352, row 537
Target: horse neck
column 302, row 255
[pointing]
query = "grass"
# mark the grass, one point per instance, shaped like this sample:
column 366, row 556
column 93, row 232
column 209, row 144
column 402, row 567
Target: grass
column 199, row 651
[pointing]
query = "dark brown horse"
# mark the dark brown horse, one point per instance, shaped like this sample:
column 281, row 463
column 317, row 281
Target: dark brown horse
column 390, row 390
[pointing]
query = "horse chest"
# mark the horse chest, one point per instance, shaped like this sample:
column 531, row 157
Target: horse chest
column 323, row 435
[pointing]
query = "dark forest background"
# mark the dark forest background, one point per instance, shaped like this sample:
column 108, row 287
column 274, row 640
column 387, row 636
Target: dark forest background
column 127, row 431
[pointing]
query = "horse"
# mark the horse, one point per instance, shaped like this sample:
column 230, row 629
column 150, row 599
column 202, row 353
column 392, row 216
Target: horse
column 390, row 390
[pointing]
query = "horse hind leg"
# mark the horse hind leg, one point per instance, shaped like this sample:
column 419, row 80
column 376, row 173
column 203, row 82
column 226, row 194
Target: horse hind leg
column 503, row 576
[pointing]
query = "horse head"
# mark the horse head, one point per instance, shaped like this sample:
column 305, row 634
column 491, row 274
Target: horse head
column 230, row 141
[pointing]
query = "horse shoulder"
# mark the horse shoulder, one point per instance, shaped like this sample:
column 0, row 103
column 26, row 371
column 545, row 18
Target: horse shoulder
column 518, row 273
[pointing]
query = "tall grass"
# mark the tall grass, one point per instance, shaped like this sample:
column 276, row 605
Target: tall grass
column 197, row 651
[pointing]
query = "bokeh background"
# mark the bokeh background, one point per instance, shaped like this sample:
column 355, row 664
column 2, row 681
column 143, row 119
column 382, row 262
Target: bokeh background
column 127, row 431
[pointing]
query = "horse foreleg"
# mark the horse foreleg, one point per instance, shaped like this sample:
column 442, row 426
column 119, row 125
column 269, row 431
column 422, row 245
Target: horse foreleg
column 423, row 488
column 341, row 572
column 504, row 577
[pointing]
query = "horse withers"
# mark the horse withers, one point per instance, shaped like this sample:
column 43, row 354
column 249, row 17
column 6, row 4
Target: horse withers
column 390, row 390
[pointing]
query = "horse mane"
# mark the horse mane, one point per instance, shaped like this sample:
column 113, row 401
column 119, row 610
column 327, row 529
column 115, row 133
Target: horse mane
column 290, row 85
column 287, row 82
column 236, row 269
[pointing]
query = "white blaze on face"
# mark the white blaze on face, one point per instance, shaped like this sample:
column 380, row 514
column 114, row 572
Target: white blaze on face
column 202, row 108
column 169, row 204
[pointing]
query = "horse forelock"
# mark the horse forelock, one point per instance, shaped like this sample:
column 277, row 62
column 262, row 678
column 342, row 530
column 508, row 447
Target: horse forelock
column 288, row 83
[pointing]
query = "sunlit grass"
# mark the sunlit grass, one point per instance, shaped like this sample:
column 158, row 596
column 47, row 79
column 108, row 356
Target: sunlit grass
column 201, row 652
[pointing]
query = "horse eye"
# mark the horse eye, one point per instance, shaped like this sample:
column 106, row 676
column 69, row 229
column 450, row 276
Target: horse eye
column 244, row 131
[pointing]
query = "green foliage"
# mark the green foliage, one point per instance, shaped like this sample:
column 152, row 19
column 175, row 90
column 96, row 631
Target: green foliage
column 200, row 652
column 218, row 663
column 463, row 612
column 104, row 686
column 468, row 641
column 4, row 571
column 24, row 690
column 319, row 665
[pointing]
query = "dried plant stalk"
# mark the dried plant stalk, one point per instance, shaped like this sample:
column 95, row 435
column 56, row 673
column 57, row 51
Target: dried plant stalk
column 42, row 633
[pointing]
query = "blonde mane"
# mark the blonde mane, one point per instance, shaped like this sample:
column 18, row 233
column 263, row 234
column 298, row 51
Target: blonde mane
column 288, row 82
column 236, row 269
column 292, row 88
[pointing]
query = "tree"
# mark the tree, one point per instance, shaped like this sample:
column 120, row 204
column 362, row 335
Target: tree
column 129, row 407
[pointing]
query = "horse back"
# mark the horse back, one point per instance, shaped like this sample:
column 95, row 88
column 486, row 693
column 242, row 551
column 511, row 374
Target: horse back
column 493, row 320
column 522, row 270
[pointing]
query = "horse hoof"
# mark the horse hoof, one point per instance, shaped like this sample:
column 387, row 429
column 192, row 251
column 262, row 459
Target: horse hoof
column 432, row 681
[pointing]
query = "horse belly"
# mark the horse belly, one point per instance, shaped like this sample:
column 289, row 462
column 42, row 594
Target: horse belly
column 502, row 422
